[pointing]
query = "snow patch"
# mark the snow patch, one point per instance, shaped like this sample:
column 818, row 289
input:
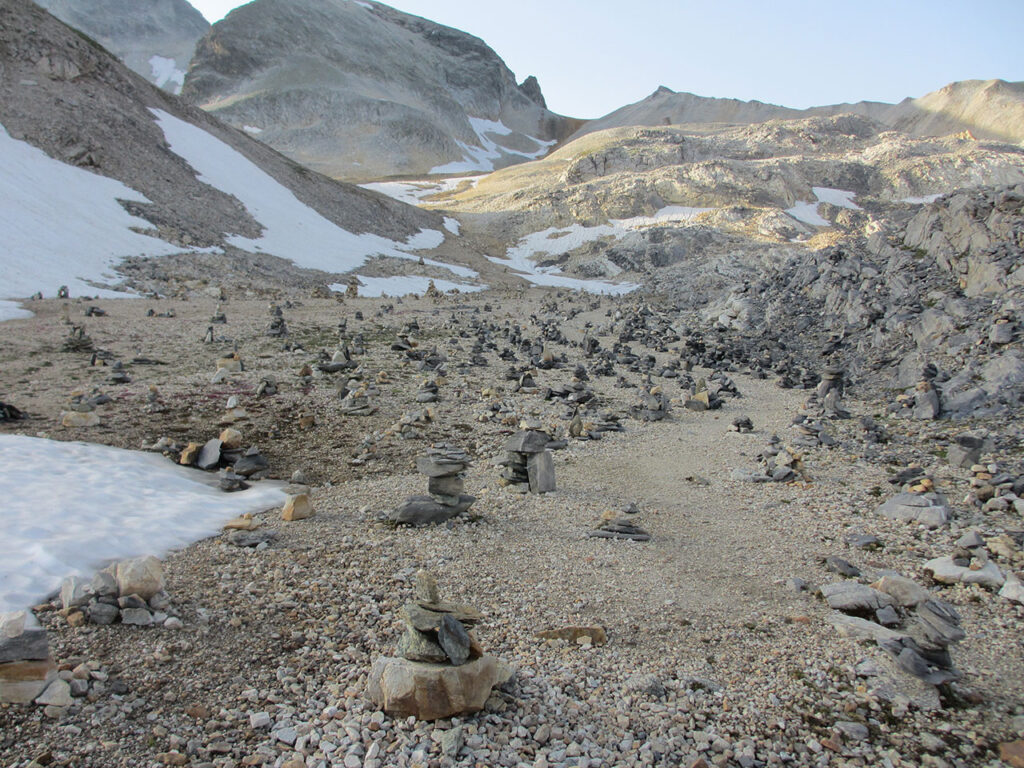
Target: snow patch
column 553, row 241
column 452, row 225
column 668, row 214
column 807, row 212
column 252, row 129
column 12, row 310
column 112, row 504
column 482, row 156
column 292, row 230
column 167, row 74
column 413, row 192
column 62, row 225
column 922, row 200
column 403, row 285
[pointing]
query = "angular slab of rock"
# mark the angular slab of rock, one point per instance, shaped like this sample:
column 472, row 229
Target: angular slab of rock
column 853, row 597
column 297, row 507
column 454, row 639
column 527, row 441
column 434, row 691
column 251, row 538
column 22, row 681
column 928, row 509
column 943, row 569
column 862, row 629
column 57, row 694
column 540, row 469
column 142, row 576
column 29, row 645
column 1013, row 589
column 904, row 591
column 467, row 614
column 414, row 645
column 209, row 455
column 424, row 510
column 434, row 467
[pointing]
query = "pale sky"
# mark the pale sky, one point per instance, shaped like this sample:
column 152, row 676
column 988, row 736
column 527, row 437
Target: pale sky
column 594, row 56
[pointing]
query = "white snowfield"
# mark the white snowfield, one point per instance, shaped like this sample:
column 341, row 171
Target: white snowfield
column 12, row 310
column 554, row 241
column 807, row 212
column 482, row 157
column 62, row 225
column 414, row 192
column 166, row 70
column 71, row 508
column 292, row 230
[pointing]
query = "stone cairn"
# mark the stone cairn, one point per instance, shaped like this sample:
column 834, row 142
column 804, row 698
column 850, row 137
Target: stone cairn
column 529, row 465
column 445, row 466
column 131, row 591
column 440, row 670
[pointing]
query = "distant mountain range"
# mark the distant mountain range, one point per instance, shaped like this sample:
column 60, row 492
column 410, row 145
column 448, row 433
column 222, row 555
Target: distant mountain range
column 359, row 91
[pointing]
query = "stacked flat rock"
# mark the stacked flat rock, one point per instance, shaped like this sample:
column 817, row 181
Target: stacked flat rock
column 653, row 405
column 440, row 670
column 77, row 340
column 26, row 669
column 616, row 526
column 529, row 465
column 428, row 392
column 445, row 466
column 355, row 399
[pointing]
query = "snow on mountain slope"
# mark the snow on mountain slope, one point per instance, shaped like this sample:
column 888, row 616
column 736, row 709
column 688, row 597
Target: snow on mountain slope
column 63, row 225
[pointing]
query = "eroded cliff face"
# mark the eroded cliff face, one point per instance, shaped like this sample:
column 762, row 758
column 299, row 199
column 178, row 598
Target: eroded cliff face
column 358, row 90
column 155, row 38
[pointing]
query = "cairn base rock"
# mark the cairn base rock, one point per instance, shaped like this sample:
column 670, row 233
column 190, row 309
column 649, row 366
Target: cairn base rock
column 433, row 691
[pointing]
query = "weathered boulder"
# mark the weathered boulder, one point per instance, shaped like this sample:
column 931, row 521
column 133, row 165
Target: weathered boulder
column 434, row 691
column 142, row 576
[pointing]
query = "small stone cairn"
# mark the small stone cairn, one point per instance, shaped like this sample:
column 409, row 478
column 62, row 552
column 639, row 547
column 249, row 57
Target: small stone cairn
column 445, row 466
column 440, row 670
column 529, row 466
column 131, row 591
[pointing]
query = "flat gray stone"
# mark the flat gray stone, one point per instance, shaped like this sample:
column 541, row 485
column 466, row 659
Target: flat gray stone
column 527, row 441
column 943, row 569
column 853, row 597
column 540, row 469
column 928, row 509
column 209, row 455
column 29, row 645
column 454, row 639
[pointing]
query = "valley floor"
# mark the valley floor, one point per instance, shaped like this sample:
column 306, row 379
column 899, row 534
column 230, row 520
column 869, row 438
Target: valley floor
column 711, row 653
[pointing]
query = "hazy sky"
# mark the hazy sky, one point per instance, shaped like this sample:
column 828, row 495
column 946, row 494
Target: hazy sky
column 593, row 56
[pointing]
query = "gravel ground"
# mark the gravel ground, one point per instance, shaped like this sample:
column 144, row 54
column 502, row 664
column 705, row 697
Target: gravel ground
column 710, row 655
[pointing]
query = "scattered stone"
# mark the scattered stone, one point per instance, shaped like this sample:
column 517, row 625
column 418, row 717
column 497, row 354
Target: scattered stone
column 142, row 576
column 945, row 570
column 928, row 509
column 592, row 635
column 297, row 507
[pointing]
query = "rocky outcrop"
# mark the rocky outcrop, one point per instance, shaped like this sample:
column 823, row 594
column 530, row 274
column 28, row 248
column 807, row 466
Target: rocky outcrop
column 155, row 38
column 361, row 91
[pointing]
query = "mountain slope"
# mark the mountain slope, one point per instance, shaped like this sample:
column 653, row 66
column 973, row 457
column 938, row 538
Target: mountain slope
column 358, row 90
column 992, row 109
column 98, row 166
column 155, row 38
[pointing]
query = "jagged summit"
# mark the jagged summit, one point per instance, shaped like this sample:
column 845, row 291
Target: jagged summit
column 360, row 90
column 156, row 38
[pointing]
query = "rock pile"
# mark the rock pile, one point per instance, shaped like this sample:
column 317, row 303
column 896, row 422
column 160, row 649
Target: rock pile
column 529, row 465
column 620, row 526
column 355, row 398
column 9, row 413
column 77, row 340
column 445, row 466
column 131, row 591
column 440, row 670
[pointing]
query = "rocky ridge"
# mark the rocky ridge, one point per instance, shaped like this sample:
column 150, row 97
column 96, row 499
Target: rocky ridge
column 362, row 91
column 155, row 39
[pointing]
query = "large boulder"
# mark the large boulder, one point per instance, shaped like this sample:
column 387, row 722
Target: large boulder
column 434, row 691
column 142, row 576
